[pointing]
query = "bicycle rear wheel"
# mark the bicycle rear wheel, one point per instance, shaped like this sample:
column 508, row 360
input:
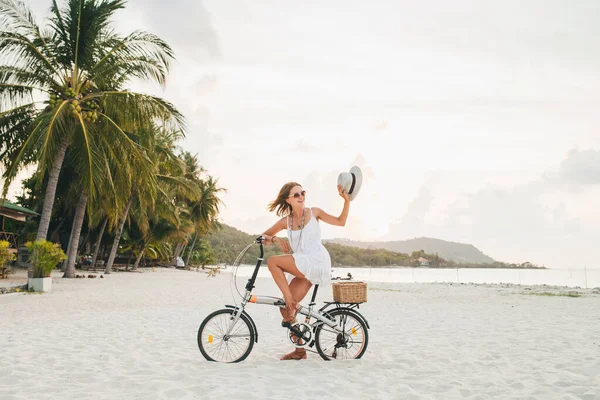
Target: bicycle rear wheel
column 351, row 343
column 216, row 345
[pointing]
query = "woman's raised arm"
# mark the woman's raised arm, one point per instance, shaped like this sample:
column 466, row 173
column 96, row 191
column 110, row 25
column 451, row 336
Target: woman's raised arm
column 330, row 219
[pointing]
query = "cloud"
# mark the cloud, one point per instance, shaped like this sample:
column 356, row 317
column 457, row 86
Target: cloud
column 580, row 167
column 186, row 26
column 541, row 221
column 254, row 225
column 413, row 222
column 304, row 147
column 205, row 85
column 510, row 224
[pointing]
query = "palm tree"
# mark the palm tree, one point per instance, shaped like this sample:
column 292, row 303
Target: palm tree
column 116, row 174
column 142, row 191
column 165, row 224
column 203, row 253
column 205, row 210
column 79, row 67
column 161, row 197
column 98, row 242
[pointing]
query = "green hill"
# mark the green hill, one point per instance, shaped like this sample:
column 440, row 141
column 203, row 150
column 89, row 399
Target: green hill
column 228, row 242
column 451, row 251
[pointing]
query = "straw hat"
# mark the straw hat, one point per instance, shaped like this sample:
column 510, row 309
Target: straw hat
column 351, row 181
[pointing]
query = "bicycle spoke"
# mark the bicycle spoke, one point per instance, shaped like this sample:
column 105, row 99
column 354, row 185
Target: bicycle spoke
column 237, row 346
column 222, row 347
column 346, row 343
column 235, row 330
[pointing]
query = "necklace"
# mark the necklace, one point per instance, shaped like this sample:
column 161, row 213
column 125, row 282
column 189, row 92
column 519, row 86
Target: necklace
column 301, row 226
column 301, row 222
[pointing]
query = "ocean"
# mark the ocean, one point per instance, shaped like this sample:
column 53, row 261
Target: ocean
column 570, row 277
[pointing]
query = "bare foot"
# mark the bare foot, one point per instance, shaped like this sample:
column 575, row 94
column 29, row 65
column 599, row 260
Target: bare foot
column 297, row 354
column 291, row 308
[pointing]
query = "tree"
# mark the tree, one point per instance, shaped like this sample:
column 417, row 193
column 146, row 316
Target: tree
column 159, row 205
column 205, row 210
column 79, row 66
column 202, row 254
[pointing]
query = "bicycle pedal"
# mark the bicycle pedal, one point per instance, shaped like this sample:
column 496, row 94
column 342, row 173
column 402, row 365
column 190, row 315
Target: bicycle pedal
column 288, row 324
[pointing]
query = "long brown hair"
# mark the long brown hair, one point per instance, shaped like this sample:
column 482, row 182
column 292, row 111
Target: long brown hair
column 281, row 207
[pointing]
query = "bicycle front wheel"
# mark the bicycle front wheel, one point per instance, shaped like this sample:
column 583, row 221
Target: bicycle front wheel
column 220, row 341
column 350, row 343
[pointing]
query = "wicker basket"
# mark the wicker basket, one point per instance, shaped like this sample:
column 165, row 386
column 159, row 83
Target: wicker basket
column 349, row 292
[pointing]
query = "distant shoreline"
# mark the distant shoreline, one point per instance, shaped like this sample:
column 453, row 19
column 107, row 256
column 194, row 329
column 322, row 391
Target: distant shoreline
column 458, row 267
column 568, row 277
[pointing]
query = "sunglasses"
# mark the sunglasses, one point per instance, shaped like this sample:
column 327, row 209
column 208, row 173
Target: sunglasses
column 296, row 195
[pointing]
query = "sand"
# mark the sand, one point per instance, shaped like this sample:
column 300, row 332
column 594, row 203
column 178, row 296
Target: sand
column 133, row 336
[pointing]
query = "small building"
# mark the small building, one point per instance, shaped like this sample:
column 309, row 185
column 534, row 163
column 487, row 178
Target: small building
column 18, row 213
column 423, row 262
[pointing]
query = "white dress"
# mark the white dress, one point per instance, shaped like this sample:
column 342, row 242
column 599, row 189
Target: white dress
column 312, row 258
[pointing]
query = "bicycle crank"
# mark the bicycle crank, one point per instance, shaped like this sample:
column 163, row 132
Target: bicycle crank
column 299, row 334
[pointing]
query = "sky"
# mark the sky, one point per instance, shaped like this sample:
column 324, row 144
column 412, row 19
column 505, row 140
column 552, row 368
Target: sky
column 473, row 121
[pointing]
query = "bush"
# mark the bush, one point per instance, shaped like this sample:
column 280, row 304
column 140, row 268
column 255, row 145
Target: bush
column 44, row 257
column 5, row 256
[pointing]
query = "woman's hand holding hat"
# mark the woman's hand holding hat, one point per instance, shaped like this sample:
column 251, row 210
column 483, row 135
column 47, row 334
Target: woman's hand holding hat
column 343, row 193
column 350, row 182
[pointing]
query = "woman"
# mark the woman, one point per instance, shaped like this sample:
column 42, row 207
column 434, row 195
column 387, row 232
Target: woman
column 309, row 261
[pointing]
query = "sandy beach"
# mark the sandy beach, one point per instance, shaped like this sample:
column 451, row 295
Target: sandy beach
column 133, row 336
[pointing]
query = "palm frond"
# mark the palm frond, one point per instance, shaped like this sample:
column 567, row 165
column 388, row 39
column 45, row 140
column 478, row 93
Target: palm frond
column 21, row 50
column 139, row 55
column 93, row 157
column 15, row 16
column 58, row 23
column 183, row 187
column 79, row 25
column 22, row 76
column 204, row 211
column 13, row 132
column 13, row 94
column 143, row 68
column 140, row 159
column 39, row 128
column 58, row 124
column 136, row 110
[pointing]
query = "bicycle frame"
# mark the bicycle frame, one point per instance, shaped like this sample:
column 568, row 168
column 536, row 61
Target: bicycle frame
column 276, row 301
column 308, row 312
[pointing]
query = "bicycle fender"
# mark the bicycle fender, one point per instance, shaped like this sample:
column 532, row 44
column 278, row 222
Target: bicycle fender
column 356, row 313
column 365, row 320
column 244, row 313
